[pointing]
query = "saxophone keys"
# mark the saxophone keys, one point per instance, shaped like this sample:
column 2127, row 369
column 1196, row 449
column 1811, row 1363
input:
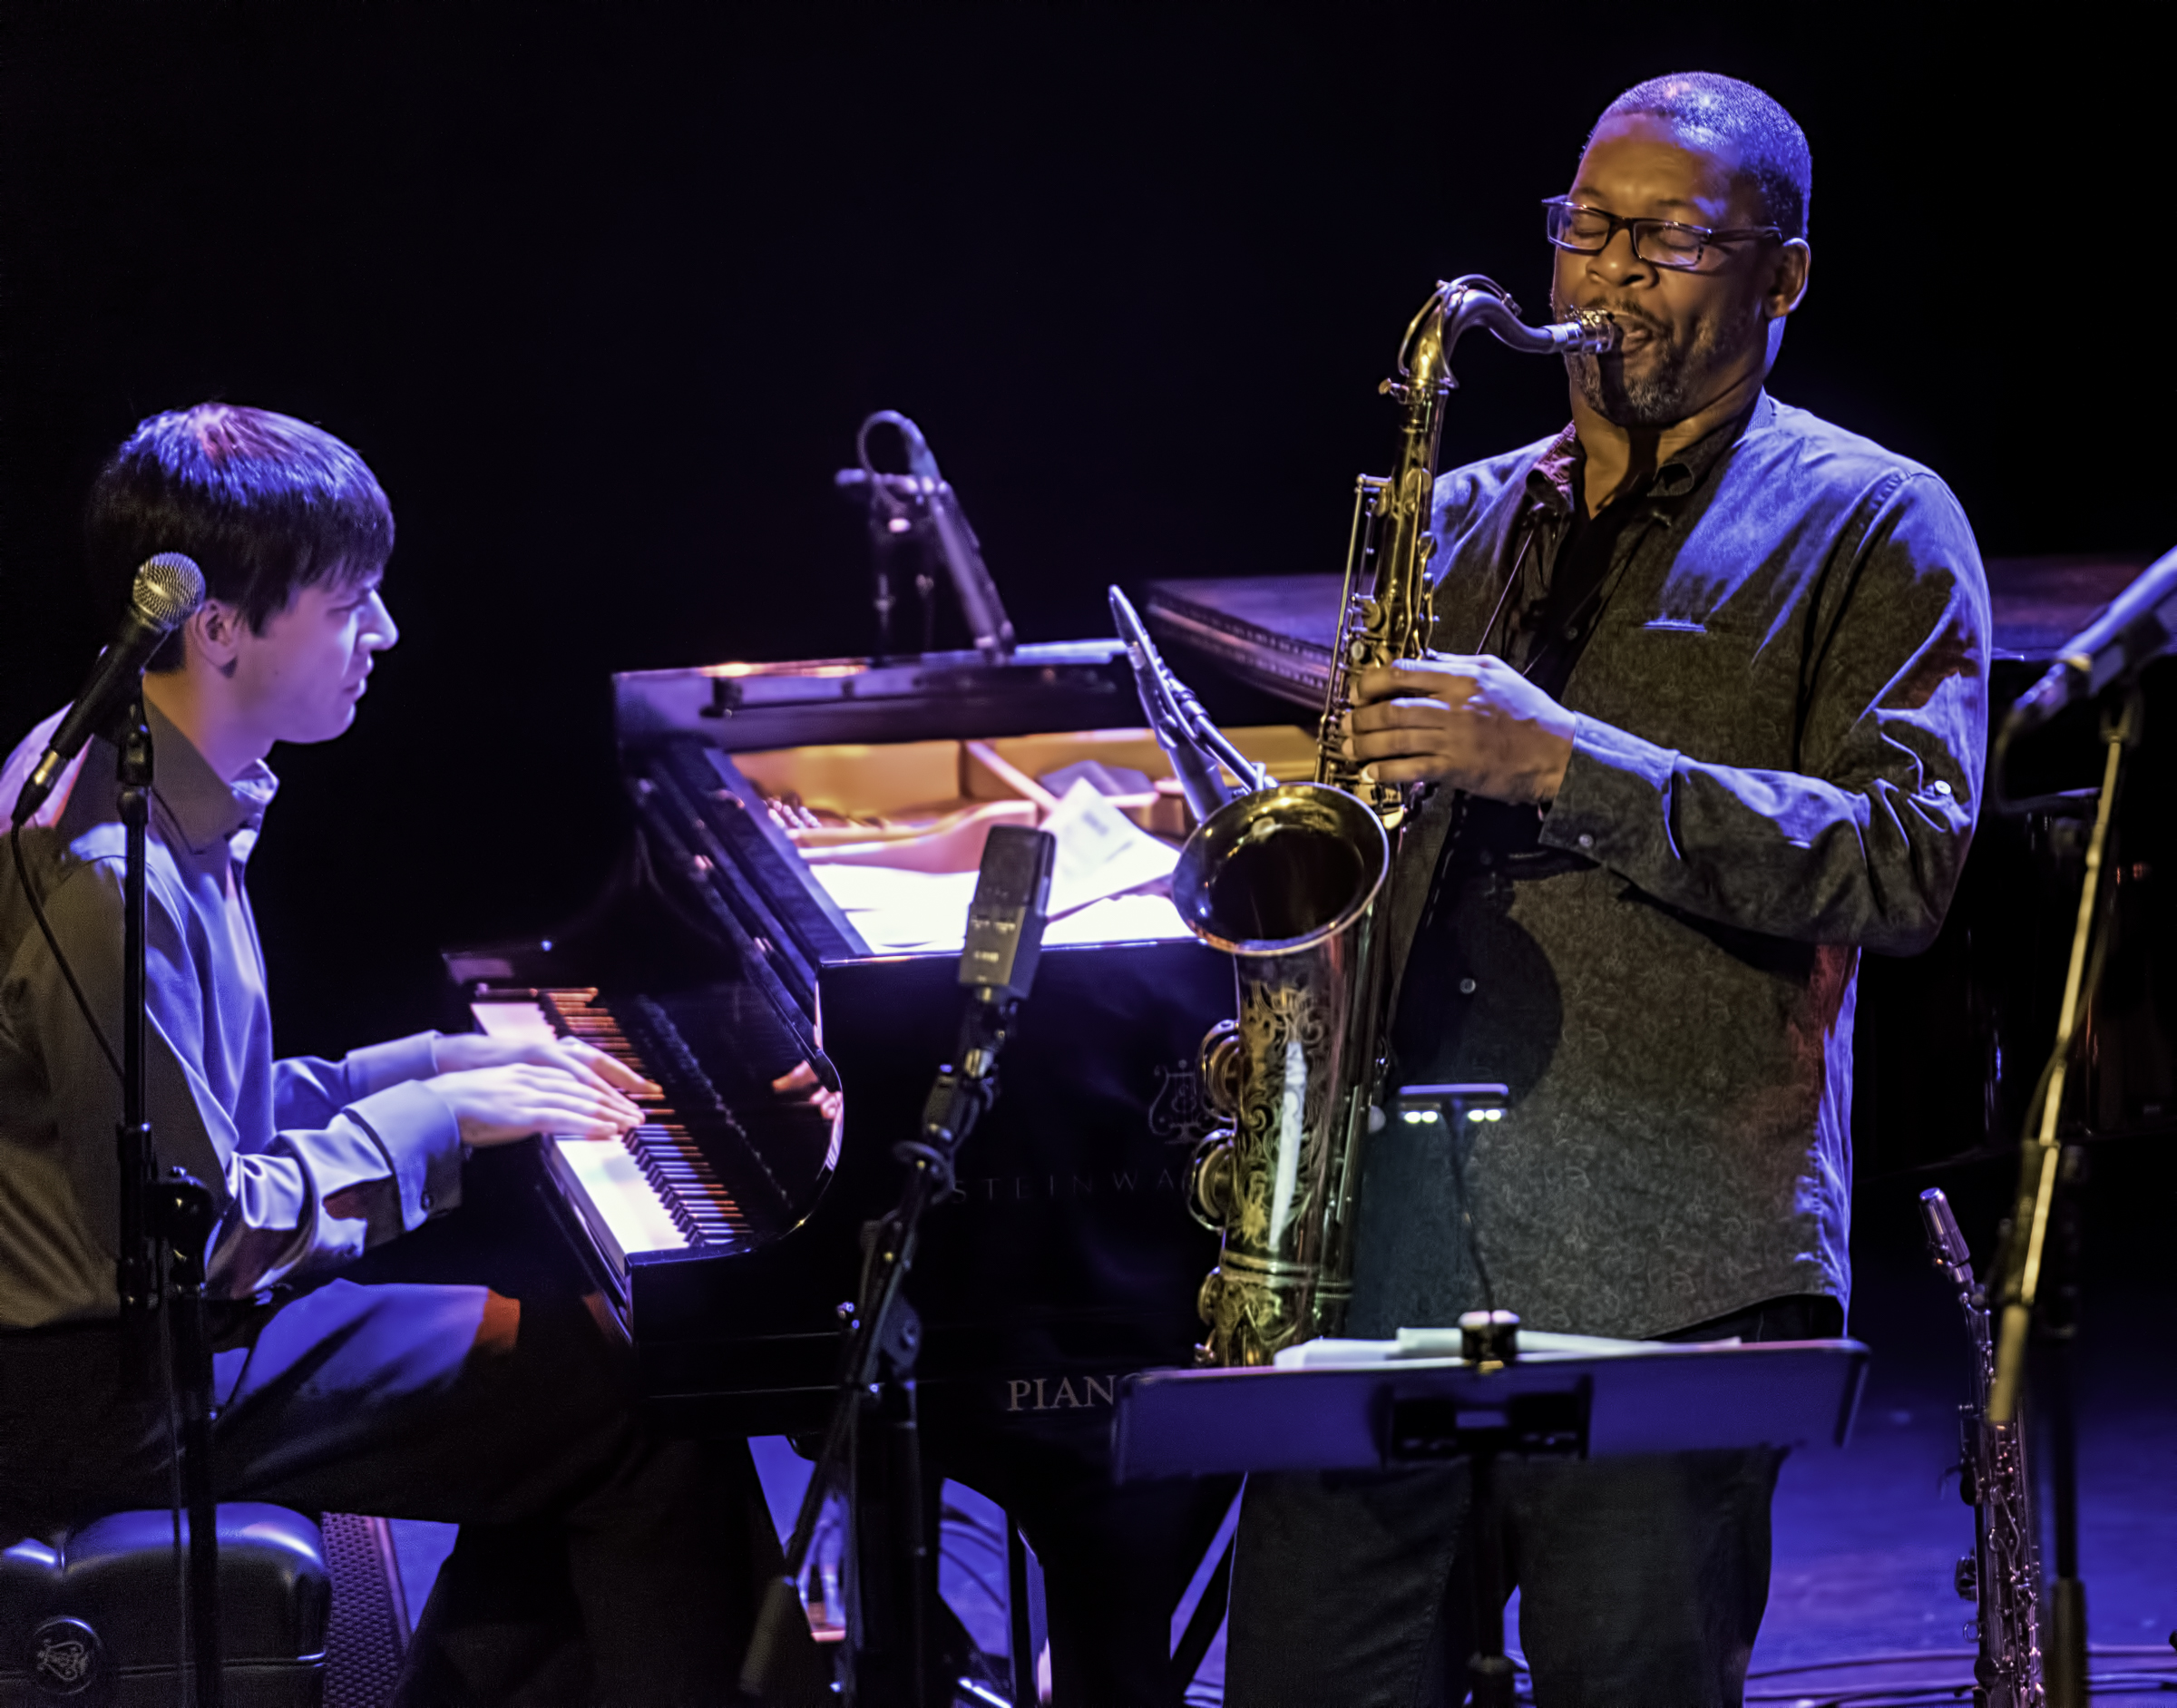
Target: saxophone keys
column 1221, row 1066
column 1209, row 1183
column 1208, row 1299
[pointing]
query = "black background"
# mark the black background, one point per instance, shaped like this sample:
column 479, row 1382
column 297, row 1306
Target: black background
column 601, row 292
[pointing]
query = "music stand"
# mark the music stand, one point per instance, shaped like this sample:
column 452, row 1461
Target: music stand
column 1404, row 1413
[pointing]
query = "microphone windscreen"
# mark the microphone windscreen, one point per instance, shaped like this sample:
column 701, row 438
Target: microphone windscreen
column 168, row 588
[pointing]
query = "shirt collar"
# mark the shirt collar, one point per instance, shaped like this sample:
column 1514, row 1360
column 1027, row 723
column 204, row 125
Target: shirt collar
column 1551, row 478
column 204, row 806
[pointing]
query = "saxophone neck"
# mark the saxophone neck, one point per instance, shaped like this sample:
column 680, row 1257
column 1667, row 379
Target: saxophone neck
column 1463, row 304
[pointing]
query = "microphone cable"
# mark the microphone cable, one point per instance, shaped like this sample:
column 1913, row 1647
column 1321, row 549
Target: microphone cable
column 37, row 909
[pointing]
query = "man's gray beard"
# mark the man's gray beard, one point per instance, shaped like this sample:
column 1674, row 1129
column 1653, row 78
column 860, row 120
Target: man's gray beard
column 1667, row 393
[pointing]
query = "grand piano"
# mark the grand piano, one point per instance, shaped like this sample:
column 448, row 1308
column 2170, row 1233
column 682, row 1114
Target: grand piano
column 795, row 1036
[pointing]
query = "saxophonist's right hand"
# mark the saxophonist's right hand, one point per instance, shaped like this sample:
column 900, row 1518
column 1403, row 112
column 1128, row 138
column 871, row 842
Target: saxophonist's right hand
column 1475, row 723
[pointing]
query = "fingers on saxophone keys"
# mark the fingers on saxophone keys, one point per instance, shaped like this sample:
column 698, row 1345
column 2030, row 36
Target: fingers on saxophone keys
column 1399, row 771
column 1382, row 682
column 1371, row 685
column 1449, row 680
column 1389, row 728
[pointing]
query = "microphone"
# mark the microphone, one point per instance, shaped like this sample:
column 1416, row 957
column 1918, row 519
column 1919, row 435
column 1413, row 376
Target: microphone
column 883, row 1332
column 956, row 542
column 168, row 588
column 1006, row 919
column 996, row 966
column 2139, row 626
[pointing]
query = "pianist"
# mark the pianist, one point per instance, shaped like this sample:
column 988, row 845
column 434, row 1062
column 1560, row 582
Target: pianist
column 1715, row 700
column 595, row 1563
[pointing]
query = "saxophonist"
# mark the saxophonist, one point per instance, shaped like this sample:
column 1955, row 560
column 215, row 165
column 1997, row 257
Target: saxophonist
column 1705, row 718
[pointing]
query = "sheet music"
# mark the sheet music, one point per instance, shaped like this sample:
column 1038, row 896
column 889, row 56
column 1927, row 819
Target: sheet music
column 1104, row 861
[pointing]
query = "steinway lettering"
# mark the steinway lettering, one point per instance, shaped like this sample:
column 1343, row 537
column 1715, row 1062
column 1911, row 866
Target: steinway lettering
column 1061, row 1393
column 1066, row 1188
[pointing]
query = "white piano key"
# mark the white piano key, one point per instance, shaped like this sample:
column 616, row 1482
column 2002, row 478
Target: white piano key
column 613, row 1184
column 515, row 1018
column 614, row 1197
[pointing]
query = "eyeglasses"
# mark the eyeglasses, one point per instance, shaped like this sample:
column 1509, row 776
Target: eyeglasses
column 1658, row 242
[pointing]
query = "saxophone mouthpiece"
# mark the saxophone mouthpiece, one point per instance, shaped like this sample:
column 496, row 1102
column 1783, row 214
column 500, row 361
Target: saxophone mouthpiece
column 1591, row 332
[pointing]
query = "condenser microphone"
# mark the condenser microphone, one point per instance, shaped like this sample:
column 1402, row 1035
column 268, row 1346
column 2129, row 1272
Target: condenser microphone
column 1005, row 921
column 987, row 624
column 168, row 588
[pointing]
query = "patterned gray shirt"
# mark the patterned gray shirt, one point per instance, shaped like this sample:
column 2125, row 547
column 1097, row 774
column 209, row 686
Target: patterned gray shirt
column 1782, row 713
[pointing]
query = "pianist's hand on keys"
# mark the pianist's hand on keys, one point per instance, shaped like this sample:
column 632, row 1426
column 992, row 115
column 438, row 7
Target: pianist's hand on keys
column 502, row 1090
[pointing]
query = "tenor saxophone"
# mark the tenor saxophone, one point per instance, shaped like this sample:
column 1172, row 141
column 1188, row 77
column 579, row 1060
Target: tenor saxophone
column 2003, row 1574
column 1292, row 879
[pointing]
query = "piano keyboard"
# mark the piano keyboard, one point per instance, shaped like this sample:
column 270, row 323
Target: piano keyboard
column 650, row 1190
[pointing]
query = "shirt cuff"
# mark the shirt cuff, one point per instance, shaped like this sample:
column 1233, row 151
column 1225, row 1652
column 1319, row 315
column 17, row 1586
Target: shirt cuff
column 421, row 1141
column 1608, row 799
column 375, row 1067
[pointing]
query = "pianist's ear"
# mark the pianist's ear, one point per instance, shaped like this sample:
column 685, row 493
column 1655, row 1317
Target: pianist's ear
column 213, row 636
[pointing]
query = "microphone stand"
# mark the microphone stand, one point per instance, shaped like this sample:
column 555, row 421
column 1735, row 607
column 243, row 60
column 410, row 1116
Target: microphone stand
column 2041, row 1236
column 874, row 1437
column 166, row 1221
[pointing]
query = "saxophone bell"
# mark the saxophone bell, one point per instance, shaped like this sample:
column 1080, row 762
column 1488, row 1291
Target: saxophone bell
column 1285, row 880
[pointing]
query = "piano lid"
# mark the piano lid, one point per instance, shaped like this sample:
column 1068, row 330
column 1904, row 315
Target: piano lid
column 935, row 695
column 1273, row 632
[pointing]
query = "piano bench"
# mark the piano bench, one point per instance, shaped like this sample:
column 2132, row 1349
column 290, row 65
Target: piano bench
column 89, row 1616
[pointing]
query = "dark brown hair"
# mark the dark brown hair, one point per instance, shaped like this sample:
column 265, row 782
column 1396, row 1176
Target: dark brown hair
column 266, row 504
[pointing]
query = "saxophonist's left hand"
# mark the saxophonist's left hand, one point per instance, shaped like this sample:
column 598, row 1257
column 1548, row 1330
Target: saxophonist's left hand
column 1475, row 723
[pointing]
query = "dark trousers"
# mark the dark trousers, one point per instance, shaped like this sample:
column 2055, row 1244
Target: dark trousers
column 1642, row 1583
column 598, row 1563
column 1642, row 1580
